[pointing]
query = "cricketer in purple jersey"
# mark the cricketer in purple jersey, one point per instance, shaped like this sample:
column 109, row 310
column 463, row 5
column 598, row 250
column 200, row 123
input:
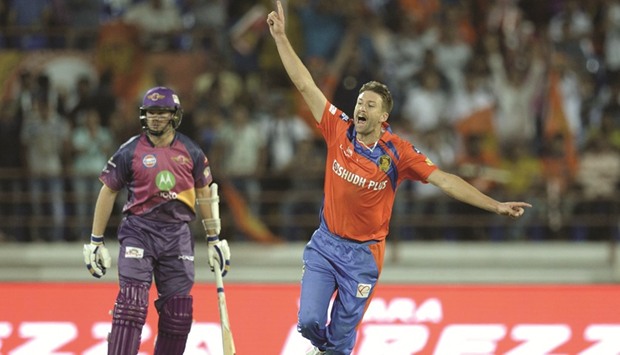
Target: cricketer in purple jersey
column 155, row 176
column 168, row 180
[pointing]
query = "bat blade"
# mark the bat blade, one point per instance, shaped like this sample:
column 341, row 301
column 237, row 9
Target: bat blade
column 228, row 343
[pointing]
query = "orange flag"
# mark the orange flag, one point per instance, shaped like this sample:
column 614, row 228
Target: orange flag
column 245, row 220
column 556, row 123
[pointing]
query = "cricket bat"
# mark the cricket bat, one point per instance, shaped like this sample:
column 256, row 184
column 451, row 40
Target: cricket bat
column 228, row 344
column 227, row 336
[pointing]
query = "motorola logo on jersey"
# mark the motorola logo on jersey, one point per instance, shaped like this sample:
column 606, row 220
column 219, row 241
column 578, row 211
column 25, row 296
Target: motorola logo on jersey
column 165, row 180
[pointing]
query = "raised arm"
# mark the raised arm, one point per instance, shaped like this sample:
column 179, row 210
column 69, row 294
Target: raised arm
column 296, row 70
column 456, row 187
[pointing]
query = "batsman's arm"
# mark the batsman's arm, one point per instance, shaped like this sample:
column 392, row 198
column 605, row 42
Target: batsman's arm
column 207, row 202
column 103, row 210
column 296, row 70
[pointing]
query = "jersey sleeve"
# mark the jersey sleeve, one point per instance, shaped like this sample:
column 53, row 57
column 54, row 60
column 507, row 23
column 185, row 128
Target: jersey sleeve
column 333, row 121
column 201, row 171
column 414, row 164
column 117, row 172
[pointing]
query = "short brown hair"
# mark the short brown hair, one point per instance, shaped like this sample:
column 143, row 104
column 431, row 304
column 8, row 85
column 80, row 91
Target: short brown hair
column 382, row 90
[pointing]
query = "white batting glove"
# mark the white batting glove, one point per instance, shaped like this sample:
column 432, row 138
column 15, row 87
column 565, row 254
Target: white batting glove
column 219, row 254
column 96, row 256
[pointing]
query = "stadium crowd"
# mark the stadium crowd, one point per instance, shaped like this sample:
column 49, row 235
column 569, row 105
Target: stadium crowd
column 521, row 97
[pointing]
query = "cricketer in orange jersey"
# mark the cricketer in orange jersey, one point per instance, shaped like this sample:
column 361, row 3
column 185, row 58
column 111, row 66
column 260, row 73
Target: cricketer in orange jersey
column 365, row 164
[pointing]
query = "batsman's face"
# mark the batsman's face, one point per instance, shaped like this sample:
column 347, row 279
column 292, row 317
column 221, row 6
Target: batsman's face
column 158, row 119
column 369, row 114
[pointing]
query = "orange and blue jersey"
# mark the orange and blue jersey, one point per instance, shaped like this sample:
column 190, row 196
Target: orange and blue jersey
column 361, row 182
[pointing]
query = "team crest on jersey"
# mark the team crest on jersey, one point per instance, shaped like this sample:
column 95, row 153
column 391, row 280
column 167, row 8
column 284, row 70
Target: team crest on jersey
column 149, row 161
column 385, row 162
column 181, row 159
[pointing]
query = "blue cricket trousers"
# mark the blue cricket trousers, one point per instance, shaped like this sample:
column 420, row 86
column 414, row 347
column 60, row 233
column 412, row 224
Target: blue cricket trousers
column 347, row 268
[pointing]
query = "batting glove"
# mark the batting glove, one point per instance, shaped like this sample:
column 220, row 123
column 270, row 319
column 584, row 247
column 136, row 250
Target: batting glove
column 219, row 254
column 96, row 256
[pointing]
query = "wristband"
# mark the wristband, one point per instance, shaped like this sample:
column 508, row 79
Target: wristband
column 212, row 238
column 96, row 239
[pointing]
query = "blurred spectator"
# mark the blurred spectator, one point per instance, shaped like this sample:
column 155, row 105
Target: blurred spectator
column 103, row 98
column 323, row 24
column 473, row 96
column 560, row 169
column 453, row 54
column 515, row 90
column 425, row 105
column 424, row 10
column 283, row 131
column 207, row 20
column 219, row 85
column 479, row 166
column 12, row 208
column 301, row 203
column 241, row 150
column 610, row 126
column 359, row 69
column 525, row 182
column 159, row 22
column 84, row 19
column 570, row 22
column 30, row 20
column 406, row 49
column 80, row 101
column 45, row 137
column 503, row 19
column 417, row 202
column 570, row 94
column 597, row 208
column 207, row 122
column 92, row 145
column 4, row 23
column 611, row 32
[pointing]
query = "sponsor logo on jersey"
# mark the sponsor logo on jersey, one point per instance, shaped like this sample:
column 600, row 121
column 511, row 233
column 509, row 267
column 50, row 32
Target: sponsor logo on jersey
column 348, row 152
column 385, row 162
column 134, row 253
column 165, row 180
column 186, row 257
column 149, row 161
column 181, row 159
column 356, row 179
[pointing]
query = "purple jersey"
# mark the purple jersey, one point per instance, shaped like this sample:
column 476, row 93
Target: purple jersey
column 158, row 178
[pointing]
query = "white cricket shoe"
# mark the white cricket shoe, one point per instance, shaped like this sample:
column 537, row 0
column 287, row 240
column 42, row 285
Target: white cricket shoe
column 315, row 351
